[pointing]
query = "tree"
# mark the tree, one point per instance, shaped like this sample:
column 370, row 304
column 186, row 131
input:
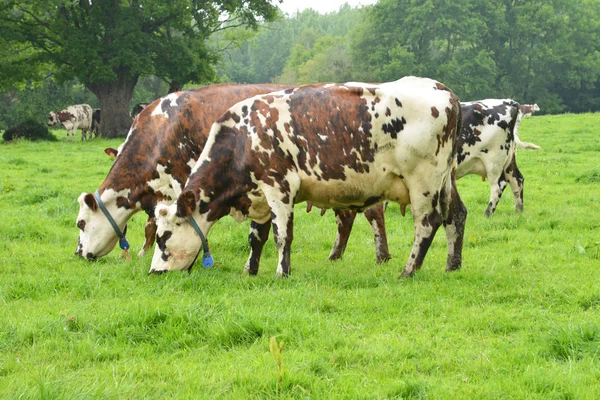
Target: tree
column 109, row 44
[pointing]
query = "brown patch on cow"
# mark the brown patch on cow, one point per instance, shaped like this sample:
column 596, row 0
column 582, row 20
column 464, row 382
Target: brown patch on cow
column 452, row 127
column 441, row 86
column 434, row 112
column 388, row 112
column 186, row 204
column 333, row 109
column 63, row 116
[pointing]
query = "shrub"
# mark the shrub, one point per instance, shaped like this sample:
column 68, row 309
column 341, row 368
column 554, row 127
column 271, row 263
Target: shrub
column 29, row 129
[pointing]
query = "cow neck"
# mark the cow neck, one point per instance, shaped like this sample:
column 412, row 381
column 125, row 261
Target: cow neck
column 207, row 260
column 123, row 243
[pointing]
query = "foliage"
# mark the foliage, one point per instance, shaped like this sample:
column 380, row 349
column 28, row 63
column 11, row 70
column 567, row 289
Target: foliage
column 280, row 47
column 36, row 101
column 107, row 45
column 544, row 52
column 29, row 129
column 520, row 320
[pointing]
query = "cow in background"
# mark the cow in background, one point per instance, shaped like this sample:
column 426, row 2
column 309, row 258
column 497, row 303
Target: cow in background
column 346, row 146
column 96, row 122
column 154, row 162
column 138, row 109
column 74, row 117
column 528, row 109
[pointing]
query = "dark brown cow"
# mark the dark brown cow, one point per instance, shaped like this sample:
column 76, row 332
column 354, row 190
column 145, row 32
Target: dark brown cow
column 154, row 162
column 344, row 146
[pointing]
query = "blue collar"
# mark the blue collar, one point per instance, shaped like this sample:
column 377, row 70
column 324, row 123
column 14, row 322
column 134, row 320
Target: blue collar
column 207, row 259
column 123, row 243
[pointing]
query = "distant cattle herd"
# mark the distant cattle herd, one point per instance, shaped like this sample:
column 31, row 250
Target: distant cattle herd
column 253, row 151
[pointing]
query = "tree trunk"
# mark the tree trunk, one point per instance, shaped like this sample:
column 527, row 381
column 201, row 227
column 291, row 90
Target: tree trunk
column 114, row 98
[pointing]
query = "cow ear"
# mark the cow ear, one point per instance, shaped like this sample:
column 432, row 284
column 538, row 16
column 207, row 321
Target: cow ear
column 113, row 153
column 186, row 204
column 90, row 201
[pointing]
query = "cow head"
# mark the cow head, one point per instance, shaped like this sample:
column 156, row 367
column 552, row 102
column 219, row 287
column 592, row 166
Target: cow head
column 97, row 237
column 535, row 108
column 177, row 243
column 53, row 118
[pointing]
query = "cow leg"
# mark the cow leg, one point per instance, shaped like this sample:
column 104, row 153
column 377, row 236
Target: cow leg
column 344, row 220
column 454, row 215
column 424, row 205
column 516, row 181
column 259, row 233
column 149, row 236
column 375, row 216
column 497, row 186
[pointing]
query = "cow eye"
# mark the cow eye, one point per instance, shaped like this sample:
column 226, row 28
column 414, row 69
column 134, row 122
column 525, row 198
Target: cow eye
column 177, row 223
column 81, row 224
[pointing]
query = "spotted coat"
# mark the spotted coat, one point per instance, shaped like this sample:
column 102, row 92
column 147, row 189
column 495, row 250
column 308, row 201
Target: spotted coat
column 486, row 146
column 347, row 146
column 78, row 116
column 154, row 162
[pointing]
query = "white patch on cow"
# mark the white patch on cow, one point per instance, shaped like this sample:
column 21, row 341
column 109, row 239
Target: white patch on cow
column 172, row 98
column 165, row 183
column 323, row 137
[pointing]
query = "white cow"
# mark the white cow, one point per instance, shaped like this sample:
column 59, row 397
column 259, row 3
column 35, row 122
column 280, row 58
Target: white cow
column 78, row 116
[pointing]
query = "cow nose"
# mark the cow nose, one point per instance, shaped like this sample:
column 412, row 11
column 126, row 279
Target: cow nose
column 90, row 256
column 156, row 272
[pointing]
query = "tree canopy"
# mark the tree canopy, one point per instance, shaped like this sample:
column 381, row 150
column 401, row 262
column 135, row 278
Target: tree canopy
column 108, row 44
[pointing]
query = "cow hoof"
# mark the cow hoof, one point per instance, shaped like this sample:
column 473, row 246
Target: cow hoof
column 142, row 253
column 405, row 275
column 383, row 259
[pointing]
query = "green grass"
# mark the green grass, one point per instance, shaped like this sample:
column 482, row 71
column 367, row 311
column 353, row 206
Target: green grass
column 521, row 320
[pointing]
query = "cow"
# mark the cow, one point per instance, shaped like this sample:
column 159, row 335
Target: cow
column 486, row 146
column 346, row 146
column 138, row 109
column 154, row 162
column 78, row 116
column 96, row 122
column 528, row 109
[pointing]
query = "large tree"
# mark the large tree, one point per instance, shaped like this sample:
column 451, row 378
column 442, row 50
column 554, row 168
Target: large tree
column 109, row 44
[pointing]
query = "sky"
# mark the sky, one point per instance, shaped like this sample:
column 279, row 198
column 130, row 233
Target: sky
column 322, row 6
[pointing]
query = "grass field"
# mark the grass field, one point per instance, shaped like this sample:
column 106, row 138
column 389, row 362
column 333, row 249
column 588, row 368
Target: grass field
column 521, row 320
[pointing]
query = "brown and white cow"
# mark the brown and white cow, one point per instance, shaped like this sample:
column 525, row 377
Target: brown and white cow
column 486, row 146
column 154, row 162
column 78, row 116
column 346, row 146
column 528, row 109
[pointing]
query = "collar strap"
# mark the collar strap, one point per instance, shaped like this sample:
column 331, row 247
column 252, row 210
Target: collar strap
column 123, row 243
column 207, row 259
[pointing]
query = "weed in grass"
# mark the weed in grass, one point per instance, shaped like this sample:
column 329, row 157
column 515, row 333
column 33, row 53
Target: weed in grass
column 276, row 348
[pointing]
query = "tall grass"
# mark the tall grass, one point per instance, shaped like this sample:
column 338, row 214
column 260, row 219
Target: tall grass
column 520, row 320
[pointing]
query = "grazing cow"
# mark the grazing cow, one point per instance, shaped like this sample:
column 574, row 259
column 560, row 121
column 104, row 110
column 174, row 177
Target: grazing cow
column 154, row 162
column 528, row 109
column 78, row 116
column 346, row 146
column 138, row 109
column 96, row 122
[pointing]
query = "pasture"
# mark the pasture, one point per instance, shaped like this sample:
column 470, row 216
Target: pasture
column 520, row 320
